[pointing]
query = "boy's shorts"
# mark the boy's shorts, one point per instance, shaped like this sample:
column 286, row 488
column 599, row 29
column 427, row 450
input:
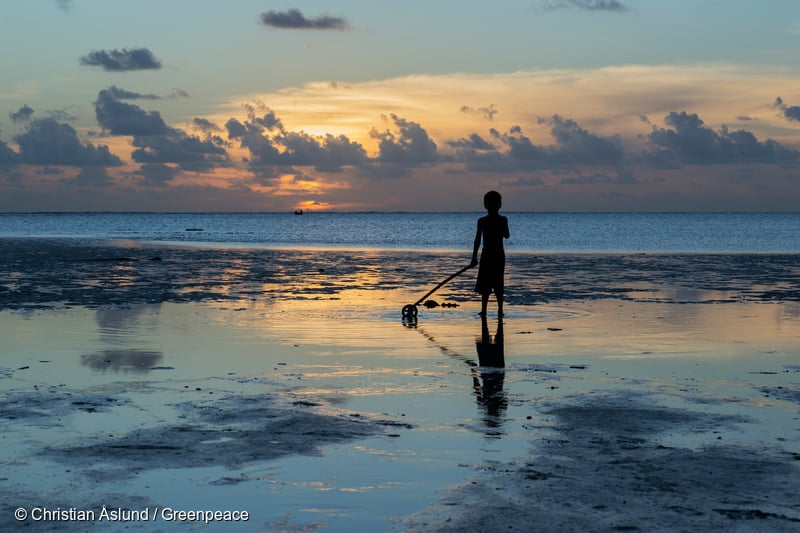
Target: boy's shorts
column 490, row 274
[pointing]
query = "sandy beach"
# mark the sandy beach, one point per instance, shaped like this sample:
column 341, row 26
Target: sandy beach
column 279, row 390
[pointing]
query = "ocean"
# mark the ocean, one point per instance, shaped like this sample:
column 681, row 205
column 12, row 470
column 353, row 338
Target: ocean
column 530, row 232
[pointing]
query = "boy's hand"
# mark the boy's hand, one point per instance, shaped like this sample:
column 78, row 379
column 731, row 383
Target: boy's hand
column 473, row 263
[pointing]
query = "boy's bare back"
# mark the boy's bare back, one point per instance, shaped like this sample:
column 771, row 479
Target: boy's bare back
column 493, row 229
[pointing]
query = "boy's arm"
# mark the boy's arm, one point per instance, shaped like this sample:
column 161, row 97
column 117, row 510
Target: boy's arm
column 506, row 233
column 476, row 245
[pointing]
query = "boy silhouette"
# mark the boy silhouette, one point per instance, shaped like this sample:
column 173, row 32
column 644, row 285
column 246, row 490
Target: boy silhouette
column 492, row 229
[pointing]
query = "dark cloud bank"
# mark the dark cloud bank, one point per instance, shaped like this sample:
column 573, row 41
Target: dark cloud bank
column 578, row 156
column 271, row 145
column 156, row 143
column 689, row 141
column 49, row 142
column 685, row 140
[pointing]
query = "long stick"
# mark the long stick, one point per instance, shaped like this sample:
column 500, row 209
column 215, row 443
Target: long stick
column 436, row 288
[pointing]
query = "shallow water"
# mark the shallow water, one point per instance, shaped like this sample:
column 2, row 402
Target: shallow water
column 449, row 419
column 286, row 381
column 530, row 232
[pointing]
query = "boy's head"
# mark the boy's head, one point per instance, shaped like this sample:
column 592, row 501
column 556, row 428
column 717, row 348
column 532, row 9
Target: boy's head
column 492, row 201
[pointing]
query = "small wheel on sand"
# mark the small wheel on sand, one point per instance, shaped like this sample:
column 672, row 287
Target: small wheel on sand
column 410, row 311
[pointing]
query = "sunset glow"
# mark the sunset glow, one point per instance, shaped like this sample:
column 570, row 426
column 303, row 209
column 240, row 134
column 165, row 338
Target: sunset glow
column 351, row 119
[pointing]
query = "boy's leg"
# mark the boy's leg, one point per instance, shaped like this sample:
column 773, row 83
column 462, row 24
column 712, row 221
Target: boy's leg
column 499, row 292
column 484, row 303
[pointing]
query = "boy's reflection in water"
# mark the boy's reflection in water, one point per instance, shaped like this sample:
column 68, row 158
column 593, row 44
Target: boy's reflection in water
column 488, row 377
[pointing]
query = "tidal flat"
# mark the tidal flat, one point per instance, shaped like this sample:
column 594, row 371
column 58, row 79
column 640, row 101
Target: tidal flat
column 638, row 392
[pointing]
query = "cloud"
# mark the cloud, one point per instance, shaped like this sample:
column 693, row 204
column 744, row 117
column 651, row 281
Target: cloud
column 61, row 115
column 23, row 115
column 487, row 112
column 205, row 125
column 237, row 130
column 269, row 120
column 791, row 113
column 178, row 93
column 120, row 118
column 156, row 174
column 577, row 145
column 474, row 143
column 271, row 145
column 48, row 142
column 154, row 140
column 293, row 19
column 585, row 5
column 275, row 151
column 64, row 5
column 122, row 60
column 410, row 145
column 689, row 141
column 189, row 152
column 7, row 155
column 520, row 147
column 92, row 177
column 329, row 153
column 573, row 146
column 122, row 94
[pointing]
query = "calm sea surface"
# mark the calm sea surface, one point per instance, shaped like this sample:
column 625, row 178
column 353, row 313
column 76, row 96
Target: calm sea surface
column 530, row 232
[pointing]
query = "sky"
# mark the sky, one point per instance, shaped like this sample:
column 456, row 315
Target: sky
column 357, row 105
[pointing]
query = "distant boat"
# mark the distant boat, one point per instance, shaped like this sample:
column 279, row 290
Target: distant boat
column 298, row 211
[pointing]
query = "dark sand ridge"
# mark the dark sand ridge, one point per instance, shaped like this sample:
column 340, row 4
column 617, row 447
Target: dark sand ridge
column 604, row 469
column 208, row 427
column 293, row 425
column 602, row 462
column 42, row 273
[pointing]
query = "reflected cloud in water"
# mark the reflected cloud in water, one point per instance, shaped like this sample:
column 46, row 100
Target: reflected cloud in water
column 139, row 361
column 122, row 325
column 122, row 329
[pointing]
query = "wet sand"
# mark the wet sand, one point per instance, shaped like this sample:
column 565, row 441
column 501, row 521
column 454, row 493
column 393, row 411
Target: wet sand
column 640, row 392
